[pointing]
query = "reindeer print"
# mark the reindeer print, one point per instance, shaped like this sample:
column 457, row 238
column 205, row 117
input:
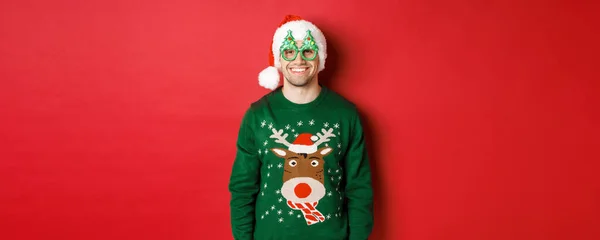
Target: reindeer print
column 303, row 172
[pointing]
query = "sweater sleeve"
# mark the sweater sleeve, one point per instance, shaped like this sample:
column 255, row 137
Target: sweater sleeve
column 244, row 182
column 359, row 192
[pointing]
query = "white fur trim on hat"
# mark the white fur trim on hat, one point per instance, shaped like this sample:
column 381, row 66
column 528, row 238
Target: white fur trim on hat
column 309, row 149
column 269, row 78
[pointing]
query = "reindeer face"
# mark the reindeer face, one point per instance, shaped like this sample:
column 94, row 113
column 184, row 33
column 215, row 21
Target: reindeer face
column 303, row 174
column 302, row 164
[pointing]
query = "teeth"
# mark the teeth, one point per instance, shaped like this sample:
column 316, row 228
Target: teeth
column 298, row 69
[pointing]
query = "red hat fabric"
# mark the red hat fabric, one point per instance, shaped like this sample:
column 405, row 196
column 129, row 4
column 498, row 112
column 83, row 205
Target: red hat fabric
column 304, row 144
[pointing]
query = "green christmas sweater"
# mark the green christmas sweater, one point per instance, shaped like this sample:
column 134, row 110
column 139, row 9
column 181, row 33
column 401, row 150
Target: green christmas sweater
column 301, row 171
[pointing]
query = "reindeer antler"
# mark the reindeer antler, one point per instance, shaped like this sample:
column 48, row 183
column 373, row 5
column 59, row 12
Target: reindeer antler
column 325, row 136
column 280, row 139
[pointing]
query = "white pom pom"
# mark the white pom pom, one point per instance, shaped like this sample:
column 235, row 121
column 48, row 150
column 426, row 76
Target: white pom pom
column 314, row 138
column 269, row 78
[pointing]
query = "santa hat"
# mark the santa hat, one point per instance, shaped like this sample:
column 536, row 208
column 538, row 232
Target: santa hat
column 269, row 77
column 304, row 144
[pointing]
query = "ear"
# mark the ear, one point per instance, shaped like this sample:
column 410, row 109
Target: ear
column 279, row 152
column 325, row 151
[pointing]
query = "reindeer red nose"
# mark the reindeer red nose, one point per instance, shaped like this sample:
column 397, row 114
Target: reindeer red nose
column 302, row 190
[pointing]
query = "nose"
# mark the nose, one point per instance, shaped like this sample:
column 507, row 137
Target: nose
column 299, row 60
column 302, row 190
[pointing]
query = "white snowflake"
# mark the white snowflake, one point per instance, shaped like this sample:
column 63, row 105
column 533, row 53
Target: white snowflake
column 269, row 166
column 339, row 133
column 280, row 165
column 262, row 216
column 299, row 123
column 328, row 216
column 339, row 145
column 268, row 174
column 291, row 212
column 331, row 178
column 287, row 127
column 336, row 125
column 265, row 151
column 299, row 216
column 337, row 171
column 280, row 200
column 340, row 177
column 262, row 124
column 279, row 212
column 278, row 191
column 266, row 142
column 336, row 214
column 329, row 170
column 329, row 194
column 326, row 124
column 267, row 212
column 270, row 125
column 265, row 185
column 311, row 122
column 326, row 144
column 273, row 207
column 340, row 152
column 262, row 193
column 280, row 220
column 259, row 151
column 293, row 130
column 296, row 135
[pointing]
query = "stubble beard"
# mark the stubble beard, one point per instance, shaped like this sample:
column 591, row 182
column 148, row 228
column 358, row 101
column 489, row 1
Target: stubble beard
column 299, row 81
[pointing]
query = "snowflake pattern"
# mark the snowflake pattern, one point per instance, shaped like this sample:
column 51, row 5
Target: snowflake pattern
column 280, row 211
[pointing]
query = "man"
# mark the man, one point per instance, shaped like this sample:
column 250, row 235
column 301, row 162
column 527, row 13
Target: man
column 301, row 169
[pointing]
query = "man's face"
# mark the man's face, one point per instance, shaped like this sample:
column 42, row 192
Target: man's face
column 299, row 72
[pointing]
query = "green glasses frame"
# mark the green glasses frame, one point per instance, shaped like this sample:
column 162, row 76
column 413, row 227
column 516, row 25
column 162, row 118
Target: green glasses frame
column 290, row 44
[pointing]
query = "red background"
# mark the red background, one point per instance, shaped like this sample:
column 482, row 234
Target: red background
column 119, row 118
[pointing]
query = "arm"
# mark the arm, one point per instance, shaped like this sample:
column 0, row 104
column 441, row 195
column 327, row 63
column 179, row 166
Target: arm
column 244, row 182
column 359, row 192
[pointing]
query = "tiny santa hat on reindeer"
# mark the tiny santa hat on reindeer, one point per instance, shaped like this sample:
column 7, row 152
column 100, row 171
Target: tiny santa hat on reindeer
column 304, row 144
column 269, row 77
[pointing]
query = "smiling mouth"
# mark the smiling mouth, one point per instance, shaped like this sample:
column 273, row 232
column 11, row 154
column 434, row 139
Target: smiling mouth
column 298, row 70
